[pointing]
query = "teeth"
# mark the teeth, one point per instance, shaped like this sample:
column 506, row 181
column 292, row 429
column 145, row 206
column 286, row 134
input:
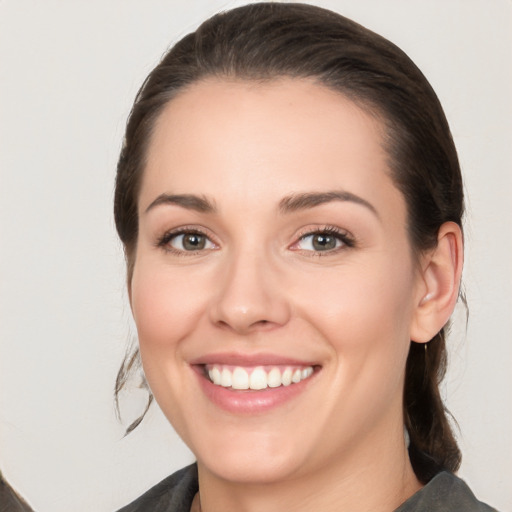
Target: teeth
column 215, row 375
column 240, row 379
column 225, row 378
column 257, row 378
column 274, row 378
column 307, row 372
column 286, row 378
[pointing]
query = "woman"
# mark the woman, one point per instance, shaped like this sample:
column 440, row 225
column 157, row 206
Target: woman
column 290, row 203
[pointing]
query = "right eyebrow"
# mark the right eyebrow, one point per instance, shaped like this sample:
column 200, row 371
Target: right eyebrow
column 189, row 201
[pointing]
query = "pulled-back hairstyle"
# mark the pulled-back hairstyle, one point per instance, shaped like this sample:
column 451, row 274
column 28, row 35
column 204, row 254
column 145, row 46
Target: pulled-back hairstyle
column 266, row 41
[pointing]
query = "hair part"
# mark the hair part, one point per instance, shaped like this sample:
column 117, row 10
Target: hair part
column 267, row 41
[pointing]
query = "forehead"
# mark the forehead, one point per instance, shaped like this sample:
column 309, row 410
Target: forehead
column 273, row 138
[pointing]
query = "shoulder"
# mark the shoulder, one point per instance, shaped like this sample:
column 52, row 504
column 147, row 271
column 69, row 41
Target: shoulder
column 444, row 493
column 10, row 501
column 173, row 494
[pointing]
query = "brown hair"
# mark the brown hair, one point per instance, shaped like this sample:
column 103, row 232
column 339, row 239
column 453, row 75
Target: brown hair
column 268, row 40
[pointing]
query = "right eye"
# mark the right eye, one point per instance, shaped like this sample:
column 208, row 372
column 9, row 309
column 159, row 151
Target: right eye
column 187, row 241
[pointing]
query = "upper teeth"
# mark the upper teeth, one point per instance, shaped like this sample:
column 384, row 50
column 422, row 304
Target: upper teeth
column 259, row 377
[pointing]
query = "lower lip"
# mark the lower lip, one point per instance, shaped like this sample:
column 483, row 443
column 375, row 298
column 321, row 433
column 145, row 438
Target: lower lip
column 251, row 401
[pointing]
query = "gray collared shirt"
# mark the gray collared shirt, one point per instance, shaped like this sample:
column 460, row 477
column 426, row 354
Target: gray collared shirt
column 444, row 493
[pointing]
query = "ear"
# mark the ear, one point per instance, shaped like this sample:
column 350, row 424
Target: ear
column 440, row 274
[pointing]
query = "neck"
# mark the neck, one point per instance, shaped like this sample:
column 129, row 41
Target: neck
column 375, row 477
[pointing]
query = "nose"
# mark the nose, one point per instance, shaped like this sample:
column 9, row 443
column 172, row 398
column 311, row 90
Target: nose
column 250, row 297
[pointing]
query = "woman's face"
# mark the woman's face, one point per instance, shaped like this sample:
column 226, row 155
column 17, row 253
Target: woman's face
column 273, row 253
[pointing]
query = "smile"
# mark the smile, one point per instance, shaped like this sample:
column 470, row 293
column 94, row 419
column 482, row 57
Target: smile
column 256, row 378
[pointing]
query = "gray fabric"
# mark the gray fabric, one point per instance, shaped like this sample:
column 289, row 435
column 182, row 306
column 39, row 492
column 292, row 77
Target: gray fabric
column 444, row 493
column 174, row 494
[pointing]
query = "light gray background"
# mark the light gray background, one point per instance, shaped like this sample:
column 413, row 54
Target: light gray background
column 68, row 73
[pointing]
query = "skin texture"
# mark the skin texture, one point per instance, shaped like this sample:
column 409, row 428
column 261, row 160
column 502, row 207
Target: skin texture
column 258, row 286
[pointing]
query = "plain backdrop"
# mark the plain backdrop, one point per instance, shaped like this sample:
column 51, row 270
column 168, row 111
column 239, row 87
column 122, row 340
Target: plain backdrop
column 68, row 73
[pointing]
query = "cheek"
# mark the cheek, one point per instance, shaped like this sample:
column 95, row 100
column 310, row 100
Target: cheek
column 165, row 305
column 364, row 312
column 166, row 308
column 360, row 297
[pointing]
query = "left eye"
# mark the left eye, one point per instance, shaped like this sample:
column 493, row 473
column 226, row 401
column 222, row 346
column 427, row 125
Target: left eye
column 190, row 242
column 321, row 241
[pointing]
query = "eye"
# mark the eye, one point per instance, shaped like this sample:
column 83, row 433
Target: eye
column 325, row 240
column 319, row 242
column 186, row 241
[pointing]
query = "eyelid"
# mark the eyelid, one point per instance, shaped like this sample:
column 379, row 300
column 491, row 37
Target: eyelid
column 346, row 238
column 164, row 240
column 343, row 235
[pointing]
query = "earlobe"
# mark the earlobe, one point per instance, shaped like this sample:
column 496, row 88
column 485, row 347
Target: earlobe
column 441, row 272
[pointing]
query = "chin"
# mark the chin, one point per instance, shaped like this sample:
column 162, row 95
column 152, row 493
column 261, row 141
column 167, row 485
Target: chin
column 246, row 455
column 251, row 467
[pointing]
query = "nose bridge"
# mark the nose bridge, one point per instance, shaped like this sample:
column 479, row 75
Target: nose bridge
column 249, row 295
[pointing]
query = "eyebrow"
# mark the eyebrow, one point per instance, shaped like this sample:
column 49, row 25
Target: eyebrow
column 189, row 201
column 288, row 204
column 307, row 200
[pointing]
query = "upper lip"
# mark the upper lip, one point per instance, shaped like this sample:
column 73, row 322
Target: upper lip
column 244, row 359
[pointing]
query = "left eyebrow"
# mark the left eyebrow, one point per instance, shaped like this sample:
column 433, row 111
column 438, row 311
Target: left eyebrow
column 307, row 200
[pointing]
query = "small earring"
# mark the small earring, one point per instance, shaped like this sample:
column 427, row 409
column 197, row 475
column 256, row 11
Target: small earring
column 427, row 297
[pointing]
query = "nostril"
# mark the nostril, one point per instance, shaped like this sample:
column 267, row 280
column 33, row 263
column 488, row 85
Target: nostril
column 250, row 327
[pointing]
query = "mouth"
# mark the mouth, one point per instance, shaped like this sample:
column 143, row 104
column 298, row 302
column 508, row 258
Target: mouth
column 256, row 378
column 253, row 385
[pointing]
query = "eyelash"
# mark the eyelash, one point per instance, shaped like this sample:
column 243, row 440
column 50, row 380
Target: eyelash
column 345, row 238
column 164, row 241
